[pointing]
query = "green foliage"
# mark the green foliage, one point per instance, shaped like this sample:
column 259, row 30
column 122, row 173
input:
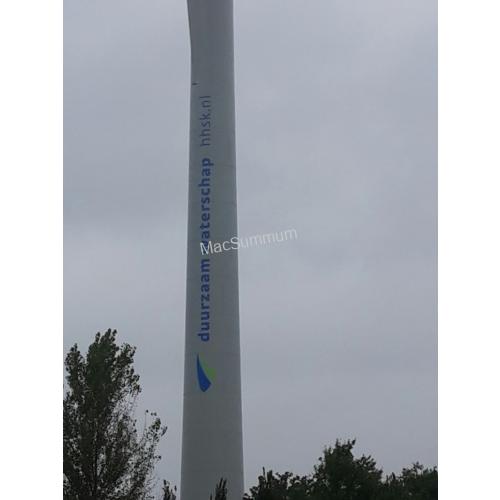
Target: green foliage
column 280, row 487
column 416, row 483
column 104, row 455
column 340, row 476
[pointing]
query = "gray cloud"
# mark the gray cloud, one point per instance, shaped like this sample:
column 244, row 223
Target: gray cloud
column 336, row 137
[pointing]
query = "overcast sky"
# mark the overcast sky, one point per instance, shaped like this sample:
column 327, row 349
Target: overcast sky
column 336, row 137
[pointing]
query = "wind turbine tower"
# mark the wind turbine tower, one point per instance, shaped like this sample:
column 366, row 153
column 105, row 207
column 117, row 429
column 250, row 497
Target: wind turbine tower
column 212, row 424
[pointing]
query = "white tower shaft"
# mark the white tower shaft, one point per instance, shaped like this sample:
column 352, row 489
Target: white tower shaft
column 212, row 426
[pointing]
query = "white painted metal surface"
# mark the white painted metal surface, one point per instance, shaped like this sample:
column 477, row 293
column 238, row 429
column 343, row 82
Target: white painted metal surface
column 212, row 425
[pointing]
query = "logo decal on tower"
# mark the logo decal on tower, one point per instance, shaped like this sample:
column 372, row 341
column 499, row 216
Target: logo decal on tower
column 205, row 375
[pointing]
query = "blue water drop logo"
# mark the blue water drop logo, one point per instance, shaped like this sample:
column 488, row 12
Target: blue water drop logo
column 203, row 375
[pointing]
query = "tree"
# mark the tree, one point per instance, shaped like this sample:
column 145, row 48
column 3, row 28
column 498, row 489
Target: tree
column 220, row 490
column 280, row 487
column 104, row 455
column 340, row 476
column 420, row 482
column 415, row 483
column 168, row 493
